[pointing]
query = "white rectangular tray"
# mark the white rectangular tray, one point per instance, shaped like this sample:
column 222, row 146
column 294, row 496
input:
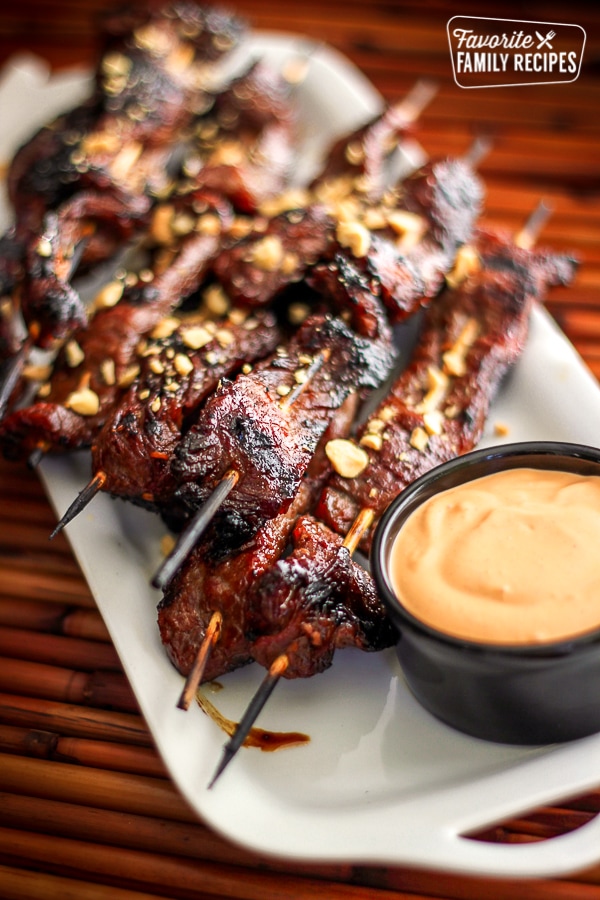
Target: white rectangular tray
column 380, row 781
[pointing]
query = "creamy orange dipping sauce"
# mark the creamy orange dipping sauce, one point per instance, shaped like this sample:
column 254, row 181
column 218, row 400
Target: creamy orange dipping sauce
column 510, row 558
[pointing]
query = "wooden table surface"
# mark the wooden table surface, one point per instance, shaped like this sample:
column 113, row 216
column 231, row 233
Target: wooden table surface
column 86, row 808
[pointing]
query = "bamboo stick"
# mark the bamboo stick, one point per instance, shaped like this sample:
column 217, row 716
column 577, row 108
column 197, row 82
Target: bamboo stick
column 76, row 721
column 58, row 650
column 118, row 791
column 35, row 615
column 104, row 689
column 17, row 583
column 179, row 877
column 18, row 884
column 96, row 754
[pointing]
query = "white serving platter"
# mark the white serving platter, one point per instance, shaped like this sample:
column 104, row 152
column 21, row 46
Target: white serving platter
column 380, row 780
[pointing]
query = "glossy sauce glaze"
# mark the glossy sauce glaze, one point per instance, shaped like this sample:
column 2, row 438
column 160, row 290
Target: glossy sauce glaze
column 510, row 558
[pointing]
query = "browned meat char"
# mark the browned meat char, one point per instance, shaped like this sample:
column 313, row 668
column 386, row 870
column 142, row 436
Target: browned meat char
column 266, row 425
column 179, row 371
column 438, row 406
column 313, row 602
column 207, row 583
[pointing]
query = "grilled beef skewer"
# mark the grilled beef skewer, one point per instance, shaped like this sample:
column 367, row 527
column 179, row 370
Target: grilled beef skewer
column 437, row 408
column 212, row 581
column 266, row 425
column 181, row 364
column 308, row 603
column 99, row 362
column 148, row 83
column 400, row 248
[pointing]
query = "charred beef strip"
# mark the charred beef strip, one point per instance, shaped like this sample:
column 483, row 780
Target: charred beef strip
column 438, row 406
column 181, row 364
column 207, row 582
column 398, row 248
column 99, row 362
column 405, row 246
column 50, row 306
column 313, row 602
column 265, row 426
column 148, row 83
column 245, row 145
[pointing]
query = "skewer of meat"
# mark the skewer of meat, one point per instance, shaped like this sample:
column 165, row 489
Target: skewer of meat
column 98, row 363
column 452, row 213
column 110, row 155
column 181, row 363
column 254, row 438
column 212, row 587
column 308, row 604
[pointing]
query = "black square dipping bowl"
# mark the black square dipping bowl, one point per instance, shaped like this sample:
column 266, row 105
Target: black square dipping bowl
column 536, row 693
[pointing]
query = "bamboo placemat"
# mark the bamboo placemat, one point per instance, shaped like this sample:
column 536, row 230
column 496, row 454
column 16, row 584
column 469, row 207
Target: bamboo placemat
column 86, row 808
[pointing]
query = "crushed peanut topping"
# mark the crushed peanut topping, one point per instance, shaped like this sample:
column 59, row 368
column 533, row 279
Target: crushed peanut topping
column 143, row 395
column 346, row 457
column 372, row 441
column 166, row 544
column 156, row 366
column 129, row 376
column 419, row 438
column 44, row 247
column 224, row 337
column 109, row 295
column 183, row 364
column 155, row 405
column 160, row 227
column 467, row 262
column 209, row 224
column 37, row 373
column 409, row 227
column 300, row 376
column 182, row 224
column 107, row 371
column 211, row 358
column 354, row 153
column 387, row 413
column 44, row 390
column 238, row 316
column 438, row 387
column 297, row 313
column 294, row 198
column 165, row 328
column 84, row 402
column 434, row 422
column 354, row 236
column 283, row 390
column 501, row 429
column 267, row 253
column 172, row 387
column 216, row 300
column 246, row 368
column 74, row 355
column 375, row 425
column 455, row 358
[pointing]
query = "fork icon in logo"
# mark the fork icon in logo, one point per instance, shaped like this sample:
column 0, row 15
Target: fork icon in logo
column 545, row 41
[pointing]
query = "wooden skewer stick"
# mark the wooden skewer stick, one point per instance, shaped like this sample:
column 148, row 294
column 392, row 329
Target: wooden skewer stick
column 189, row 538
column 81, row 501
column 194, row 677
column 266, row 687
column 10, row 372
column 361, row 524
column 529, row 233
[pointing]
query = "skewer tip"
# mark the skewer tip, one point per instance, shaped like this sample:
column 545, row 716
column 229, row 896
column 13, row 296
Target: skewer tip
column 211, row 636
column 264, row 691
column 80, row 502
